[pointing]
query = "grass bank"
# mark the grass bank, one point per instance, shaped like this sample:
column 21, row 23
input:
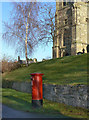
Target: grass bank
column 66, row 70
column 22, row 101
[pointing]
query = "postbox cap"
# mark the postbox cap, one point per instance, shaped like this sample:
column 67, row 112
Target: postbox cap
column 36, row 74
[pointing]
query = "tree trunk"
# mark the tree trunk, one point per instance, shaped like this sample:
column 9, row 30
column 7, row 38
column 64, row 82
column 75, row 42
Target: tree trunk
column 26, row 52
column 26, row 45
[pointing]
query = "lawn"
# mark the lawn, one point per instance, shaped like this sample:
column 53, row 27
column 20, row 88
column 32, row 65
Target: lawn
column 22, row 101
column 65, row 70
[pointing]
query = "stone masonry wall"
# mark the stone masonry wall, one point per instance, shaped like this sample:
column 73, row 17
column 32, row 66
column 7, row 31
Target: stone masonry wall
column 71, row 23
column 71, row 95
column 67, row 94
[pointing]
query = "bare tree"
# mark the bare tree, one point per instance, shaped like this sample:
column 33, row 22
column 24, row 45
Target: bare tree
column 48, row 23
column 23, row 28
column 30, row 23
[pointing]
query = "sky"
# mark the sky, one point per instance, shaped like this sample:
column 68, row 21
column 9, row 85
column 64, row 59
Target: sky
column 40, row 52
column 0, row 28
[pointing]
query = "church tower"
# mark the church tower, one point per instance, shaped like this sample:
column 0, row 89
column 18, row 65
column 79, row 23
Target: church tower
column 72, row 28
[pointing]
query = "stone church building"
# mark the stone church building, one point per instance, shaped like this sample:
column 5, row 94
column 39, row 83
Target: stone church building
column 71, row 29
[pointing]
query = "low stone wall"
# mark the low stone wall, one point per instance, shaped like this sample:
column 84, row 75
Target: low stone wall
column 22, row 86
column 67, row 94
column 71, row 95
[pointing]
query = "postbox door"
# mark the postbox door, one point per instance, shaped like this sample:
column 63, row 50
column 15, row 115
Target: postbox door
column 37, row 88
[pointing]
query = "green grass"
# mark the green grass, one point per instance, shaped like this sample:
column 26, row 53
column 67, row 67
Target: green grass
column 66, row 70
column 22, row 101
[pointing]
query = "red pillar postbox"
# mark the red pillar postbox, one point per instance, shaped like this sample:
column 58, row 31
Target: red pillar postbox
column 37, row 90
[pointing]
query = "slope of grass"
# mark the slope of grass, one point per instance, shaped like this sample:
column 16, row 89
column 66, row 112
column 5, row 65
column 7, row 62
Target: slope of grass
column 22, row 101
column 66, row 70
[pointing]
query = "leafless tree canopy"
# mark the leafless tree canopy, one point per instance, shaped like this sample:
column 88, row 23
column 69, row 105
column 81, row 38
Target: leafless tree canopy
column 22, row 26
column 47, row 23
column 29, row 23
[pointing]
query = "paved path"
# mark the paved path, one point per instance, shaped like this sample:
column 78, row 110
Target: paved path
column 0, row 110
column 8, row 112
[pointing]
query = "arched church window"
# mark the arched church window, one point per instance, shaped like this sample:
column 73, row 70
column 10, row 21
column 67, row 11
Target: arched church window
column 64, row 3
column 88, row 48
